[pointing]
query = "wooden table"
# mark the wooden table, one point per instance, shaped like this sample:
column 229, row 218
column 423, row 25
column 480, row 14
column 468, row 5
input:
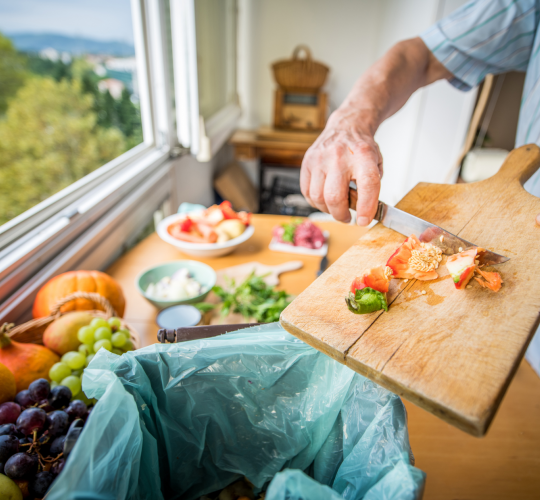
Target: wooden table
column 503, row 465
column 153, row 251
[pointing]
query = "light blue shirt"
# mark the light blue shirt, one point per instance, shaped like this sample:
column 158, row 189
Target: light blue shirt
column 494, row 36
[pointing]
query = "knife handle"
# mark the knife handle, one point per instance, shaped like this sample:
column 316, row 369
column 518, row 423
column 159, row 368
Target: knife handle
column 353, row 199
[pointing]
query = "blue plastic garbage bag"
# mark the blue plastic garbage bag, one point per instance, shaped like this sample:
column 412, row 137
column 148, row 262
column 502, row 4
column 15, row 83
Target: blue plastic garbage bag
column 178, row 421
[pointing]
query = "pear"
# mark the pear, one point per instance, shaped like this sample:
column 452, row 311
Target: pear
column 9, row 490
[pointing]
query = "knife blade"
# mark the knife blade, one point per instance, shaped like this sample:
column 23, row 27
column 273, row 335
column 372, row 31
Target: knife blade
column 407, row 224
column 323, row 265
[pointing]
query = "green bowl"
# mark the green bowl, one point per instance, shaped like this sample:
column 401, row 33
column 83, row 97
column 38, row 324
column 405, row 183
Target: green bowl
column 204, row 274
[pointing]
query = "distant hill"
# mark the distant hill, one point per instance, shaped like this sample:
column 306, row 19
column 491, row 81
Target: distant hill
column 35, row 42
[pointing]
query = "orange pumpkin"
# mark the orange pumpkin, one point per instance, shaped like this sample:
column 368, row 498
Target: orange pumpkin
column 27, row 362
column 78, row 281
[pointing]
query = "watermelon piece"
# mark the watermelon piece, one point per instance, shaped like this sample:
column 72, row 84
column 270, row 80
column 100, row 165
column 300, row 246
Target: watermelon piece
column 186, row 225
column 377, row 278
column 399, row 261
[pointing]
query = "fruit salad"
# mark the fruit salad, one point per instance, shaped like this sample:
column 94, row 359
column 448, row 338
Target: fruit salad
column 217, row 224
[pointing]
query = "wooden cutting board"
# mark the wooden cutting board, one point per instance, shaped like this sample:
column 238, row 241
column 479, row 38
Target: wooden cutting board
column 240, row 273
column 452, row 352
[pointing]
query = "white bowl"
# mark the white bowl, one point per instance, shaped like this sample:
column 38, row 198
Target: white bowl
column 201, row 249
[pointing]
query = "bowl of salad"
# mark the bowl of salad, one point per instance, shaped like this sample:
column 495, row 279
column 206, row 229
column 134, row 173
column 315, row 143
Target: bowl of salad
column 175, row 283
column 212, row 232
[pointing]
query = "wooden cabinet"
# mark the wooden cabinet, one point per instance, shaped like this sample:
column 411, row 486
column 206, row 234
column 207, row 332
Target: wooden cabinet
column 278, row 147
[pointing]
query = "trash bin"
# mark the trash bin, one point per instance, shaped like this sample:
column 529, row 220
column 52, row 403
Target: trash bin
column 179, row 421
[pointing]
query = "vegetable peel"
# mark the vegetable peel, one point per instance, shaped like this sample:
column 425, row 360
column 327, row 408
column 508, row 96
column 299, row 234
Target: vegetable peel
column 366, row 300
column 378, row 278
column 489, row 279
column 402, row 261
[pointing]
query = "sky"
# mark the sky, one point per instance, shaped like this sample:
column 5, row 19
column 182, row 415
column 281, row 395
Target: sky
column 98, row 19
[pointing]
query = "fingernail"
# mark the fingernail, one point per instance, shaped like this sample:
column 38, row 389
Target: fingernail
column 347, row 220
column 362, row 221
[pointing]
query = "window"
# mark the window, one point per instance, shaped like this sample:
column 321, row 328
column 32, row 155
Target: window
column 70, row 102
column 215, row 28
column 93, row 150
column 204, row 35
column 97, row 202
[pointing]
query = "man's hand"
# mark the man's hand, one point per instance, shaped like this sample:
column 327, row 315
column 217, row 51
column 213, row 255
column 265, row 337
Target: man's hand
column 346, row 150
column 538, row 219
column 343, row 153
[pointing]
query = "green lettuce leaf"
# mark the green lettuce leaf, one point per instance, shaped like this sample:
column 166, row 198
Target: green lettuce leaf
column 366, row 301
column 290, row 229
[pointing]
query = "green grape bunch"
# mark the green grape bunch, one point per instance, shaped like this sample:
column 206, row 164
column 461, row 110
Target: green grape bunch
column 100, row 333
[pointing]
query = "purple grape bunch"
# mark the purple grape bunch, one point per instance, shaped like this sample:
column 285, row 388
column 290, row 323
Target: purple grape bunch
column 33, row 431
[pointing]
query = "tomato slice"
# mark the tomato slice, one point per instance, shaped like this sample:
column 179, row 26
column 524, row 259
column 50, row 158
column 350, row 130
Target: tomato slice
column 378, row 278
column 399, row 261
column 491, row 280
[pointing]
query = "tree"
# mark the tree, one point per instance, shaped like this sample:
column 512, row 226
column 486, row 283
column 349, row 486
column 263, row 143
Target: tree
column 12, row 72
column 129, row 118
column 45, row 67
column 48, row 140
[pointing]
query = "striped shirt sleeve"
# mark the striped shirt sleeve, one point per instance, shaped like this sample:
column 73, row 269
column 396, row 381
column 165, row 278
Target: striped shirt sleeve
column 484, row 36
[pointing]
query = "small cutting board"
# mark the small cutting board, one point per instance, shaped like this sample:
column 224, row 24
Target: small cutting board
column 452, row 352
column 240, row 273
column 271, row 273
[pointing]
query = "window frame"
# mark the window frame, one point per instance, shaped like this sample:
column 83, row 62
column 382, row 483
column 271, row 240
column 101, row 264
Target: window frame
column 39, row 243
column 202, row 137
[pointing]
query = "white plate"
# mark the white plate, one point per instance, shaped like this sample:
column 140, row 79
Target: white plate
column 283, row 247
column 200, row 249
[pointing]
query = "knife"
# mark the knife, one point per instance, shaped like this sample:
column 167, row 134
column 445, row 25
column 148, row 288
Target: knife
column 198, row 332
column 408, row 224
column 323, row 265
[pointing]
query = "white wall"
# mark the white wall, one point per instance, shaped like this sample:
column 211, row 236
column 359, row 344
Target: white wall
column 340, row 33
column 194, row 179
column 422, row 141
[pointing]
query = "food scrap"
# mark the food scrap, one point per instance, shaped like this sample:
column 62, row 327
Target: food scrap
column 491, row 280
column 299, row 233
column 414, row 259
column 419, row 260
column 462, row 265
column 217, row 224
column 368, row 292
column 377, row 278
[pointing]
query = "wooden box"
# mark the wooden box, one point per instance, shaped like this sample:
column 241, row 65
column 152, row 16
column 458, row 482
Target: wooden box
column 299, row 110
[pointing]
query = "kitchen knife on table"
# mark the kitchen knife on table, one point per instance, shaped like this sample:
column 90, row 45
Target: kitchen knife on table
column 323, row 265
column 408, row 224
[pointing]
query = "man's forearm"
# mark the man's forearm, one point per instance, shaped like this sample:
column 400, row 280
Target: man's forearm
column 346, row 149
column 387, row 85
